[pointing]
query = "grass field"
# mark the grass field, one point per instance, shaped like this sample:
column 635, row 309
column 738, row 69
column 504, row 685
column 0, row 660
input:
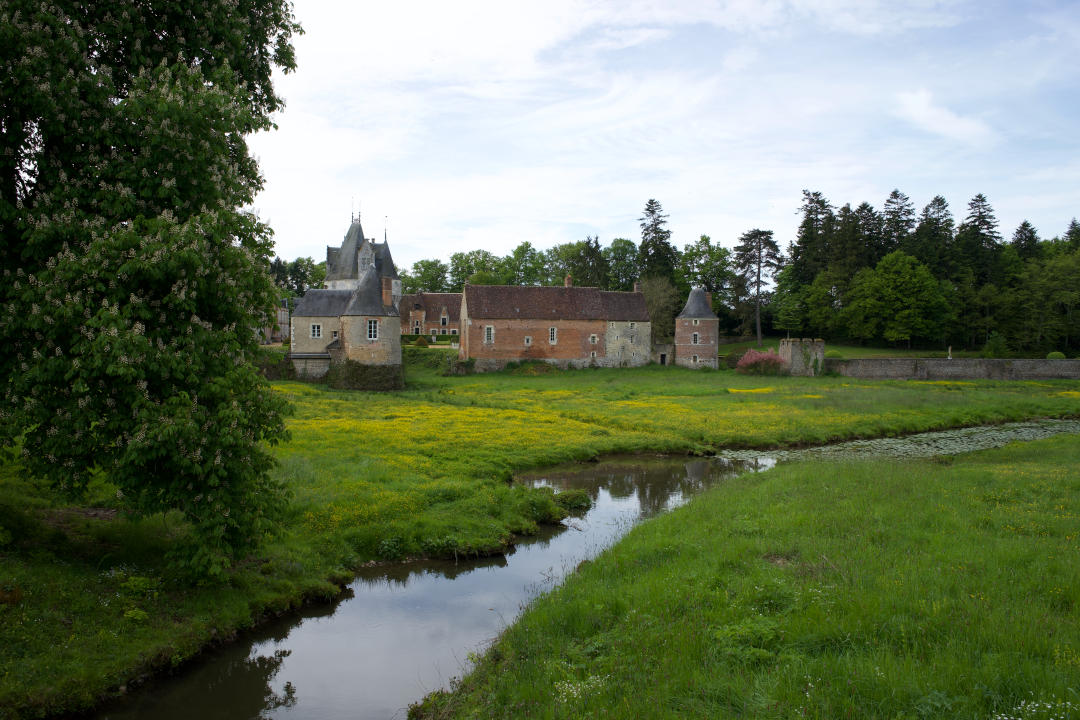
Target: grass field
column 87, row 605
column 916, row 589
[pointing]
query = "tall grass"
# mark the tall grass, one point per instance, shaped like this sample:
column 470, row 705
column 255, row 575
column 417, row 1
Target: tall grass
column 921, row 589
column 86, row 603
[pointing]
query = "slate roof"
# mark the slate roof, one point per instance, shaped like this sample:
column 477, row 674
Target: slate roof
column 322, row 303
column 432, row 304
column 341, row 263
column 697, row 305
column 367, row 299
column 510, row 302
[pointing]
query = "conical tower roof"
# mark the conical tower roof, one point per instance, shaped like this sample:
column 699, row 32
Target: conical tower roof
column 697, row 305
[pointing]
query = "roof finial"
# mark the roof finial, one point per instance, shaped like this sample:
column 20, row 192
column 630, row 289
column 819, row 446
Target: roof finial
column 384, row 217
column 352, row 209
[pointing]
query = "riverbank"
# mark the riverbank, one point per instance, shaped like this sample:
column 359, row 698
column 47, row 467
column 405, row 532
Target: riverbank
column 87, row 605
column 917, row 588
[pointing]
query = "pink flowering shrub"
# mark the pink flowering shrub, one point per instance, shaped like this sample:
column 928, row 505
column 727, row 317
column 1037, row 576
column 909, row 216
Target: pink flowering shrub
column 755, row 362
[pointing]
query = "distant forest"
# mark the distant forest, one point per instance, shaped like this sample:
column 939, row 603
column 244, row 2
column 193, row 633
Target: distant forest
column 894, row 276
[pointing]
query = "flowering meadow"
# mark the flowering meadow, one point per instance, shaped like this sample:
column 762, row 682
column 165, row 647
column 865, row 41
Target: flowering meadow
column 88, row 604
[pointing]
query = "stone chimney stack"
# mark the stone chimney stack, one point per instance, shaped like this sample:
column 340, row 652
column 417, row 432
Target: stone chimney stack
column 637, row 287
column 708, row 298
column 387, row 292
column 568, row 282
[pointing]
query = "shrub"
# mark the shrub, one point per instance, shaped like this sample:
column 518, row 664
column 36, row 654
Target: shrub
column 1055, row 355
column 754, row 362
column 732, row 358
column 421, row 341
column 351, row 375
column 995, row 346
column 833, row 355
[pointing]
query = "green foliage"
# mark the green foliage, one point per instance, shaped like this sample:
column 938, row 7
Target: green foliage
column 1055, row 355
column 757, row 257
column 622, row 260
column 995, row 347
column 421, row 341
column 663, row 302
column 134, row 284
column 657, row 257
column 353, row 375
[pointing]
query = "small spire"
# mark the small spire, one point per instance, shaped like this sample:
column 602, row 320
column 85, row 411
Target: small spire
column 384, row 217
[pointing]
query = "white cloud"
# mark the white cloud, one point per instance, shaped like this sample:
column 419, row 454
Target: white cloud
column 918, row 108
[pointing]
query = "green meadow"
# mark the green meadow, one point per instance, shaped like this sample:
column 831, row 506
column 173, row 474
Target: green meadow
column 88, row 605
column 892, row 589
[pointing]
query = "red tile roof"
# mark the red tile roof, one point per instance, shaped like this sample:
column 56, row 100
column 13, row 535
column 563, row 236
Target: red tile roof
column 511, row 302
column 432, row 304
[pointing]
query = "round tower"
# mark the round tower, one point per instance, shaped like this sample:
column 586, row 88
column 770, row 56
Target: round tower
column 697, row 331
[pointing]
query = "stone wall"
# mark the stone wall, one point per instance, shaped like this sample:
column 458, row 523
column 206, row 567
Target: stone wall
column 955, row 369
column 627, row 344
column 803, row 356
column 300, row 334
column 385, row 350
column 702, row 353
column 311, row 368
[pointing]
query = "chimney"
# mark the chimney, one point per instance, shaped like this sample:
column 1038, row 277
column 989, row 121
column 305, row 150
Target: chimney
column 637, row 287
column 708, row 299
column 387, row 292
column 567, row 282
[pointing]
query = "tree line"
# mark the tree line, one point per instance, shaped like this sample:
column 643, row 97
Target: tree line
column 900, row 277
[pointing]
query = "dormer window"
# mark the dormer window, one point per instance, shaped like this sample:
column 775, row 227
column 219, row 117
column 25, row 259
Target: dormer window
column 442, row 320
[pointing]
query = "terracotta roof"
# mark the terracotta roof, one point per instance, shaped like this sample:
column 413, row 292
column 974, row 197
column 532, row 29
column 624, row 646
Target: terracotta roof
column 697, row 305
column 432, row 304
column 553, row 303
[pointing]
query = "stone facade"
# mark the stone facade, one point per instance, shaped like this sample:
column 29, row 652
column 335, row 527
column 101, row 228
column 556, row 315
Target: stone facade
column 565, row 326
column 803, row 356
column 431, row 314
column 697, row 330
column 955, row 369
column 356, row 318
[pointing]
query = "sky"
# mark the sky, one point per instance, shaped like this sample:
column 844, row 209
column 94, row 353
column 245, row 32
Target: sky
column 479, row 125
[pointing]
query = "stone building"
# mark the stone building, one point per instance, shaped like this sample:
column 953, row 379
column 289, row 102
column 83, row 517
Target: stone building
column 427, row 313
column 565, row 326
column 697, row 332
column 356, row 317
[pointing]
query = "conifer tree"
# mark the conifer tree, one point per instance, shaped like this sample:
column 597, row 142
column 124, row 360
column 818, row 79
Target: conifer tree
column 657, row 257
column 756, row 257
column 1025, row 241
column 897, row 222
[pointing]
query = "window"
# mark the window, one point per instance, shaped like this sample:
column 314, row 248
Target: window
column 416, row 327
column 593, row 339
column 694, row 339
column 453, row 331
column 631, row 326
column 489, row 334
column 372, row 329
column 631, row 338
column 696, row 321
column 443, row 331
column 592, row 354
column 316, row 330
column 611, row 325
column 442, row 320
column 553, row 335
column 333, row 334
column 693, row 359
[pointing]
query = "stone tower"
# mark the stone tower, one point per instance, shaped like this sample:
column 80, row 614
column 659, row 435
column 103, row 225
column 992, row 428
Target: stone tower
column 697, row 330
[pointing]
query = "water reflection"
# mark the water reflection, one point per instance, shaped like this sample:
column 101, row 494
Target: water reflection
column 408, row 628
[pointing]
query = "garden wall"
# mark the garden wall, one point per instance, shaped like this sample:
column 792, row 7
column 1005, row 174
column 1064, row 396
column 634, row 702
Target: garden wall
column 956, row 369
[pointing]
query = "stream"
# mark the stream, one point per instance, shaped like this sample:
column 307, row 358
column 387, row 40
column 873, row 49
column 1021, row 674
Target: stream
column 405, row 630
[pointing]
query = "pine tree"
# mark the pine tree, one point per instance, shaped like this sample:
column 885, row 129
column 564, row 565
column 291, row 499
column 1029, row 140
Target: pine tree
column 757, row 256
column 1025, row 241
column 978, row 239
column 657, row 257
column 810, row 253
column 898, row 223
column 932, row 243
